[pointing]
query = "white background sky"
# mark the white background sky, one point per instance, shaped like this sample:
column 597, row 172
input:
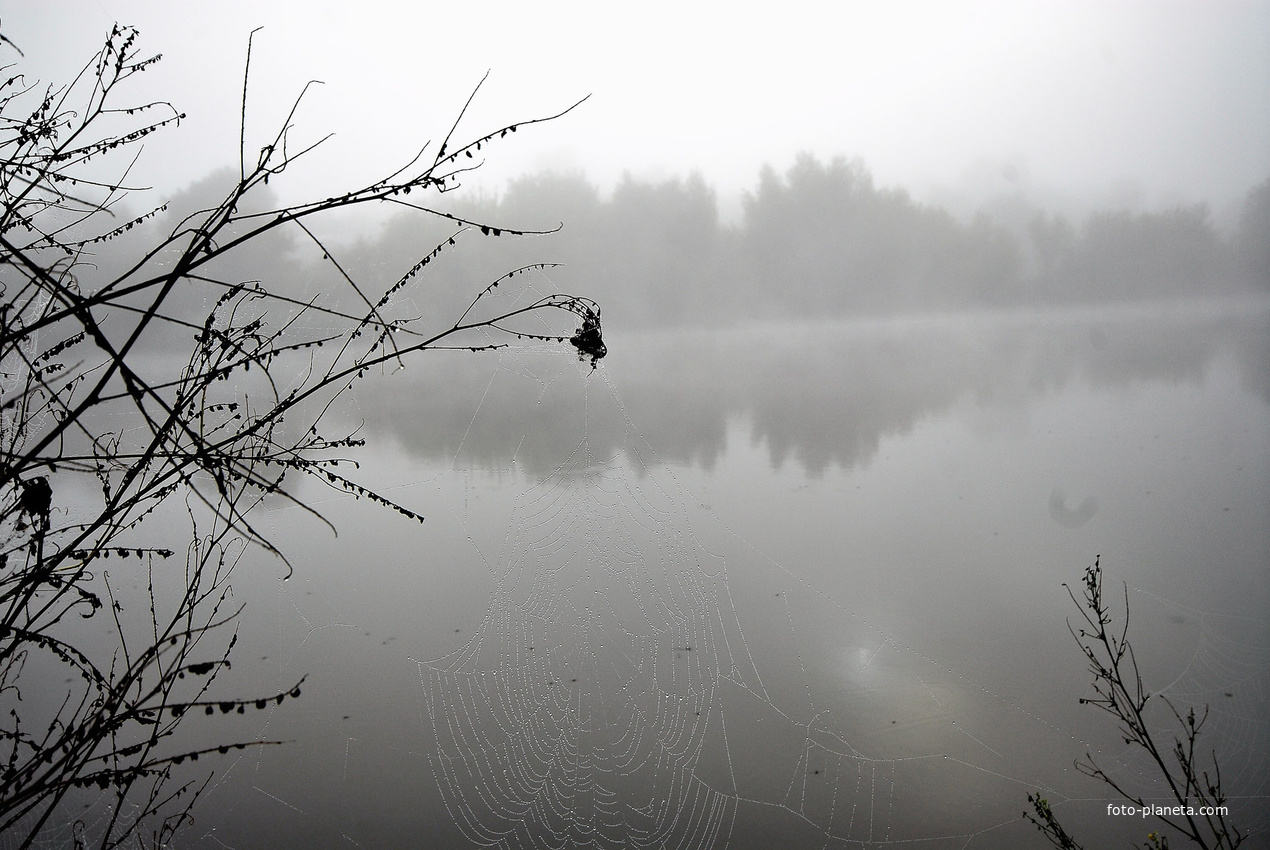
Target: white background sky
column 1148, row 102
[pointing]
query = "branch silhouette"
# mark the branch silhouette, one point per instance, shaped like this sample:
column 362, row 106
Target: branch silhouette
column 110, row 379
column 1196, row 805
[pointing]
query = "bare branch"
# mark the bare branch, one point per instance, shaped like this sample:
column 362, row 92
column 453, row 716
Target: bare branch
column 81, row 403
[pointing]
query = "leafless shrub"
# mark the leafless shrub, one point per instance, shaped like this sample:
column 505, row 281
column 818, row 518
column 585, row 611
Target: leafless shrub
column 1196, row 804
column 98, row 440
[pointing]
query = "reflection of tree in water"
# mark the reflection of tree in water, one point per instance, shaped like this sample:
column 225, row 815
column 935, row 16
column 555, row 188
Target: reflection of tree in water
column 821, row 396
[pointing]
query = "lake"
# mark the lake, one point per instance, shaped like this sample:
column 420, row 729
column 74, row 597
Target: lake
column 794, row 585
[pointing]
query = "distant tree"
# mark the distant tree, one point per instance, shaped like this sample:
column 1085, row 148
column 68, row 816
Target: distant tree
column 1191, row 782
column 659, row 243
column 1134, row 255
column 988, row 267
column 109, row 634
column 650, row 250
column 823, row 238
column 1252, row 242
column 1052, row 239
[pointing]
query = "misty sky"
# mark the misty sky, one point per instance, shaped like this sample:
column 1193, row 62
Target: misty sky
column 1149, row 102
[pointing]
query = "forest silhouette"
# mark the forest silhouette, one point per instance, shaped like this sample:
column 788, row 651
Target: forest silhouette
column 820, row 240
column 823, row 239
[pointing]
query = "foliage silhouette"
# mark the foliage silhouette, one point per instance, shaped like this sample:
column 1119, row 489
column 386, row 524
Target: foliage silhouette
column 1196, row 803
column 106, row 440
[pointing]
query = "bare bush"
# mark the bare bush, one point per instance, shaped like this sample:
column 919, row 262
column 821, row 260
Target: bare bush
column 1195, row 805
column 107, row 436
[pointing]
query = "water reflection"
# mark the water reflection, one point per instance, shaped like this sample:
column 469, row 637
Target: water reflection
column 781, row 586
column 817, row 394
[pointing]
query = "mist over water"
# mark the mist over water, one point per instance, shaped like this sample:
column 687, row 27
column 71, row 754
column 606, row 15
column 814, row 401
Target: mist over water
column 836, row 548
column 789, row 561
column 786, row 566
column 814, row 394
column 911, row 310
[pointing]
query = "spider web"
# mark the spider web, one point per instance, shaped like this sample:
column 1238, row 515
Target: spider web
column 645, row 677
column 615, row 696
column 590, row 642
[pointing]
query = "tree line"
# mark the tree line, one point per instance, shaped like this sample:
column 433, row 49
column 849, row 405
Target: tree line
column 823, row 239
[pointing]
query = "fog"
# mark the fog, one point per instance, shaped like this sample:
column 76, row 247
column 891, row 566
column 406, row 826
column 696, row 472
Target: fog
column 911, row 311
column 819, row 240
column 1085, row 104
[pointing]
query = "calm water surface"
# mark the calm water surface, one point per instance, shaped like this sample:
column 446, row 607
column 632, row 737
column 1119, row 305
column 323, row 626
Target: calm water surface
column 795, row 581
